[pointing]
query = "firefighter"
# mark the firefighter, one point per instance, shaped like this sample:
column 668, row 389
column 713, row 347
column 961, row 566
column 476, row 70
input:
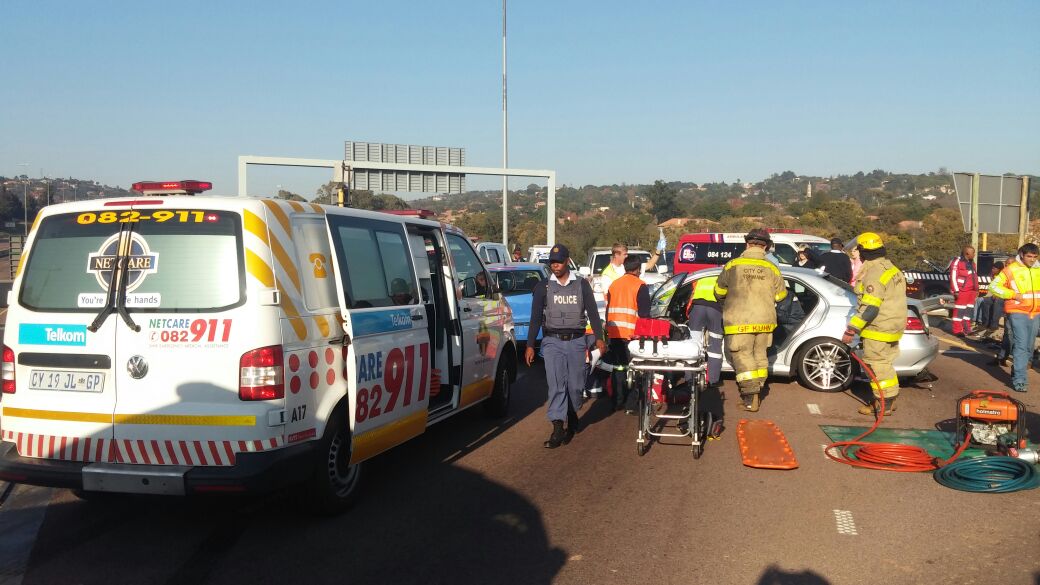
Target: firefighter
column 562, row 306
column 964, row 284
column 1019, row 285
column 705, row 314
column 879, row 320
column 628, row 299
column 750, row 286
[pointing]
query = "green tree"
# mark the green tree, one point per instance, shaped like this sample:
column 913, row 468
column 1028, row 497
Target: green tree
column 663, row 201
column 942, row 236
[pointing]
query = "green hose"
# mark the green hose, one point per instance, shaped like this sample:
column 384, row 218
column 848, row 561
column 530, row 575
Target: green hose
column 992, row 475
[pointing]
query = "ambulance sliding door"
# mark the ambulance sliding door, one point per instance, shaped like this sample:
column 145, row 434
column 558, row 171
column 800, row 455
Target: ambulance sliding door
column 389, row 347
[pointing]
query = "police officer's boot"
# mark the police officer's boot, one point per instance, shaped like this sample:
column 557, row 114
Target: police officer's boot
column 749, row 402
column 573, row 427
column 875, row 406
column 557, row 436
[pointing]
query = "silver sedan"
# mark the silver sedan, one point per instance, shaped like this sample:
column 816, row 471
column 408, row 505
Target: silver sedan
column 807, row 342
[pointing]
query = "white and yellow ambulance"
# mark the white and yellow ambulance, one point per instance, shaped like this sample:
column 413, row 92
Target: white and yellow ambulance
column 176, row 344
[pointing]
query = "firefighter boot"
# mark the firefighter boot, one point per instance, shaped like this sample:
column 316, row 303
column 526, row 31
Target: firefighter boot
column 749, row 402
column 875, row 406
column 557, row 436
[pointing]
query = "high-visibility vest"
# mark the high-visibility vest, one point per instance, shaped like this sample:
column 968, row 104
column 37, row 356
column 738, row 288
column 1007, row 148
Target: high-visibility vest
column 1018, row 279
column 703, row 289
column 622, row 308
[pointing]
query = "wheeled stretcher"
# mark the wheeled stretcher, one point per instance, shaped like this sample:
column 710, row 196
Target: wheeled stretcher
column 668, row 373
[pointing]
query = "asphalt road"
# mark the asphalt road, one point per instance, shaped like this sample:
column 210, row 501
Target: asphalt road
column 481, row 501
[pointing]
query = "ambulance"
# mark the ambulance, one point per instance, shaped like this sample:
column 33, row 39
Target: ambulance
column 706, row 250
column 177, row 344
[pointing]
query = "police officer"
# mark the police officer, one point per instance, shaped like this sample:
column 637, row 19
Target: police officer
column 628, row 299
column 879, row 319
column 562, row 306
column 750, row 286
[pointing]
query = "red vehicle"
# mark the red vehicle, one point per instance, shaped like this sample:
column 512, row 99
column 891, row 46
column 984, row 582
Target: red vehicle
column 707, row 250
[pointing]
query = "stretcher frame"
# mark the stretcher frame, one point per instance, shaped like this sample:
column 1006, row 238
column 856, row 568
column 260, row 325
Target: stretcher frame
column 688, row 422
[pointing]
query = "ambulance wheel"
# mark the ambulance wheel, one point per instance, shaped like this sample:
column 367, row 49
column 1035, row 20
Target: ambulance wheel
column 497, row 405
column 824, row 365
column 335, row 483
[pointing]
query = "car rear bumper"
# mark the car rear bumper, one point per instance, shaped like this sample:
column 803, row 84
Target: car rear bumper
column 916, row 351
column 252, row 472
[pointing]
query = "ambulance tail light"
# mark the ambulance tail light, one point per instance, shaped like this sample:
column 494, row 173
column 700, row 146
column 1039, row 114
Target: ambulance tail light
column 261, row 375
column 8, row 371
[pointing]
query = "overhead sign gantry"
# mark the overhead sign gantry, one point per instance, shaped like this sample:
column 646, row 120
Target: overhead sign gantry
column 382, row 167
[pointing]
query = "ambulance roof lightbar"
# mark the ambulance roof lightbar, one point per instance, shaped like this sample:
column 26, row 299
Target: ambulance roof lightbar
column 171, row 187
column 420, row 213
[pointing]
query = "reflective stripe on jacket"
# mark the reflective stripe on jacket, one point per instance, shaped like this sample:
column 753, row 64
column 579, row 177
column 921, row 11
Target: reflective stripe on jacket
column 1018, row 279
column 963, row 276
column 881, row 314
column 751, row 287
column 622, row 307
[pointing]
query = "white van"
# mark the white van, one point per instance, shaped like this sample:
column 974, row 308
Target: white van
column 180, row 345
column 493, row 253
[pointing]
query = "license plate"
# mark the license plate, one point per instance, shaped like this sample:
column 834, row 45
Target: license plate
column 63, row 380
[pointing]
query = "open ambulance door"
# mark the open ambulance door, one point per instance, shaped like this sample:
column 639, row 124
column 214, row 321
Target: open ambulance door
column 388, row 358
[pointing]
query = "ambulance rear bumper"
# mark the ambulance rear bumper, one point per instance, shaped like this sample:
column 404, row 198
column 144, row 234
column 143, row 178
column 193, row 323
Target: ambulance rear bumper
column 252, row 472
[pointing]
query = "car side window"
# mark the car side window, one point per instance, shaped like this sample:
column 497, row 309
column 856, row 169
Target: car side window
column 375, row 265
column 469, row 272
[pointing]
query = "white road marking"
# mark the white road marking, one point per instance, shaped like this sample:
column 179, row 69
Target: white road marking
column 846, row 525
column 814, row 408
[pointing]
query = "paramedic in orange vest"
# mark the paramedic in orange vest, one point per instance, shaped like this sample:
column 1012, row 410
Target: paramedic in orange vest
column 628, row 299
column 964, row 284
column 1019, row 285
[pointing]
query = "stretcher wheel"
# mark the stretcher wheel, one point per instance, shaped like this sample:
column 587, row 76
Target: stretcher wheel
column 642, row 447
column 698, row 450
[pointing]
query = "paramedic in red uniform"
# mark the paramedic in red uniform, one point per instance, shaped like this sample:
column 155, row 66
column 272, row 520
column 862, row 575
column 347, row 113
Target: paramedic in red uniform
column 964, row 284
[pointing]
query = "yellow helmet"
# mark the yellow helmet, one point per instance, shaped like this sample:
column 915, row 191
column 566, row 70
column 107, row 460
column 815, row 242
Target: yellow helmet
column 869, row 241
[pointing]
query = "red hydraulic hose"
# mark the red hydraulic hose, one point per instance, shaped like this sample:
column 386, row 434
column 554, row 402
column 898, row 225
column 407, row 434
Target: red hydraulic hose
column 885, row 456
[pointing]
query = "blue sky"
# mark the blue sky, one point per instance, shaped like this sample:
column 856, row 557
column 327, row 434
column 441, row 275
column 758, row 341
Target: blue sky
column 601, row 91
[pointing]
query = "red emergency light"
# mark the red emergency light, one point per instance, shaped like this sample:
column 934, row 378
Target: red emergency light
column 189, row 187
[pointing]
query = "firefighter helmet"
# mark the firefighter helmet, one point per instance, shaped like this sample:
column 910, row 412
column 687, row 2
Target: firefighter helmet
column 869, row 241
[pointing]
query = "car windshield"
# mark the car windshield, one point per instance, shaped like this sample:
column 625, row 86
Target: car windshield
column 663, row 296
column 600, row 261
column 518, row 282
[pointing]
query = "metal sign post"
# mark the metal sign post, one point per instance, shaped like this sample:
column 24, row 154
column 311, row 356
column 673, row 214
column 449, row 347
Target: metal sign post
column 975, row 211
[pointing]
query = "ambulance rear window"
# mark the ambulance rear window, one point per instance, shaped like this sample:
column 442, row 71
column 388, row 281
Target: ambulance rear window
column 708, row 253
column 179, row 261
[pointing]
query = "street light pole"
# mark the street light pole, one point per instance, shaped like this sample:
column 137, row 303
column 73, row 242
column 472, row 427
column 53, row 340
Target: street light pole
column 505, row 138
column 25, row 197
